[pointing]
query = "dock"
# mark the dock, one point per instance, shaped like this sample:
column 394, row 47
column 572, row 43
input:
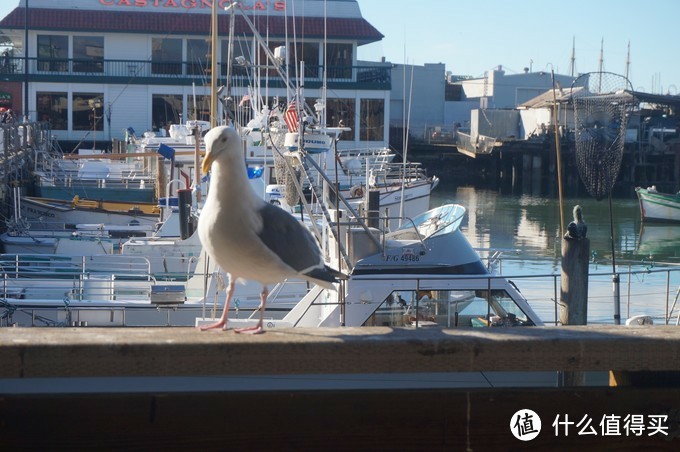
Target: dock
column 528, row 166
column 175, row 388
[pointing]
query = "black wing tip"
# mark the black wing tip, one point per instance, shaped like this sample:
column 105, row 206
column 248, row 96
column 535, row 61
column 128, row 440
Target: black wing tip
column 327, row 274
column 337, row 274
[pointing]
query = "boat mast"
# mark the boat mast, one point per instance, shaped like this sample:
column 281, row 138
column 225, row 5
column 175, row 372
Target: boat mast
column 405, row 150
column 599, row 87
column 573, row 56
column 25, row 107
column 213, row 67
column 628, row 60
column 601, row 55
column 269, row 54
column 230, row 47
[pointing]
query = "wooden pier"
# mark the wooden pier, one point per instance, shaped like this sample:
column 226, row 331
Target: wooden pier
column 18, row 144
column 529, row 166
column 179, row 388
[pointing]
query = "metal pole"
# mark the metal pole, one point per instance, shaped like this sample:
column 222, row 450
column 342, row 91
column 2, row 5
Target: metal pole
column 25, row 112
column 214, row 68
column 615, row 276
column 558, row 155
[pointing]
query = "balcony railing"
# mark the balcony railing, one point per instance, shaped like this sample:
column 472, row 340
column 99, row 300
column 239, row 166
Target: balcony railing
column 180, row 73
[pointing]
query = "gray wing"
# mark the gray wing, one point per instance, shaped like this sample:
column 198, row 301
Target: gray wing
column 289, row 239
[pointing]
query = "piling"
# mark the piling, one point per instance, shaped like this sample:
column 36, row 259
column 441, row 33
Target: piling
column 574, row 293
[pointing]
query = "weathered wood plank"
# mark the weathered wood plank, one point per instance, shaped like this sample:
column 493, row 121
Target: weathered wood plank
column 94, row 352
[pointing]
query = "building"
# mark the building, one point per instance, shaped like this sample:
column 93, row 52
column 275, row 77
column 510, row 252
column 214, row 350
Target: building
column 93, row 68
column 487, row 108
column 417, row 99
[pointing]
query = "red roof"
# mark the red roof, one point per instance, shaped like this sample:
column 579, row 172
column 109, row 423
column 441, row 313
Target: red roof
column 185, row 23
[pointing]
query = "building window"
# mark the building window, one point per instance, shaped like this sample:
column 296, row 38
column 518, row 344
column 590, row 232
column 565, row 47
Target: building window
column 309, row 53
column 88, row 111
column 199, row 108
column 52, row 53
column 166, row 56
column 372, row 120
column 339, row 61
column 198, row 56
column 88, row 54
column 53, row 108
column 340, row 113
column 166, row 110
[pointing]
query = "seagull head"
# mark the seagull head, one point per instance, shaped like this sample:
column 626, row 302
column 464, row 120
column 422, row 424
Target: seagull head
column 220, row 141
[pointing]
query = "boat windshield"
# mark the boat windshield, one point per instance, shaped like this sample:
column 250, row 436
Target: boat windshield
column 449, row 309
column 442, row 220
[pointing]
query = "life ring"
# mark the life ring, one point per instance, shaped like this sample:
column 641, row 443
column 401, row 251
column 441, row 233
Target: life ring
column 356, row 192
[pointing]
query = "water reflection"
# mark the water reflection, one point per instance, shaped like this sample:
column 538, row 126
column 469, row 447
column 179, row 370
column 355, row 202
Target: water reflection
column 659, row 240
column 532, row 225
column 528, row 229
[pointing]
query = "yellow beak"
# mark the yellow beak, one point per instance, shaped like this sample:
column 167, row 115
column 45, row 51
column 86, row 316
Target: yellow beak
column 207, row 163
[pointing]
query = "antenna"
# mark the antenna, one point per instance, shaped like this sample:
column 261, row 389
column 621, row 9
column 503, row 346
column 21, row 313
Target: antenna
column 572, row 66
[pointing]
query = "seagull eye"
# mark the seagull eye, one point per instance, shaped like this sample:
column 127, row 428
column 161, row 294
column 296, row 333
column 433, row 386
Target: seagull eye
column 224, row 139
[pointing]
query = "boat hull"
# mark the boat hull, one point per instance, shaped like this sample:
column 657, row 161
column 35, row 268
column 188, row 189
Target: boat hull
column 147, row 194
column 44, row 211
column 655, row 206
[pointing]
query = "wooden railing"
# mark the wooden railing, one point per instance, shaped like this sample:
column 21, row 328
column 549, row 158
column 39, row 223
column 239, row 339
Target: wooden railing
column 343, row 388
column 98, row 352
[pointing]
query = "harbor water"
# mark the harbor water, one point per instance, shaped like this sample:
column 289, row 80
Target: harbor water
column 527, row 230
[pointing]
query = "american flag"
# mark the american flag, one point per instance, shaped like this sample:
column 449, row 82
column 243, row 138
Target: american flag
column 291, row 117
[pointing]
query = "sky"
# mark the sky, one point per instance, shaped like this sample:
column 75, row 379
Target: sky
column 471, row 38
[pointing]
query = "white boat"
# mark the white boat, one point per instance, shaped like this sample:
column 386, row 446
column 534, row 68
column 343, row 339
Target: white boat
column 427, row 274
column 43, row 226
column 94, row 177
column 356, row 172
column 423, row 274
column 281, row 131
column 47, row 212
column 84, row 240
column 124, row 290
column 656, row 206
column 389, row 182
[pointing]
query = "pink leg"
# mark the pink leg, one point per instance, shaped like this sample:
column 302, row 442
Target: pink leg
column 222, row 322
column 257, row 329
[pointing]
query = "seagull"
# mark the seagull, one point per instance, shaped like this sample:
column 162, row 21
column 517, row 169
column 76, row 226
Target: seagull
column 577, row 229
column 249, row 238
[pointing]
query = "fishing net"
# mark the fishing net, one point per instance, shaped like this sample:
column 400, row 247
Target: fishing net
column 601, row 103
column 287, row 172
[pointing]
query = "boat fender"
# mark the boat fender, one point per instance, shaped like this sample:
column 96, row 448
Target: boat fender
column 357, row 191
